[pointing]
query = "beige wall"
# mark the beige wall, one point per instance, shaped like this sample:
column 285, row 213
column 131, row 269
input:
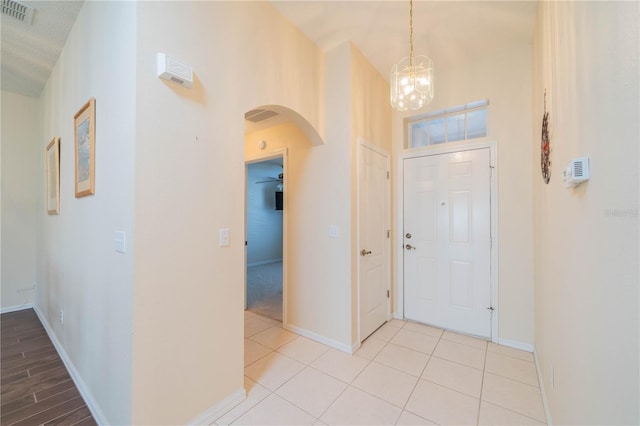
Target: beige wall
column 21, row 145
column 188, row 296
column 370, row 123
column 78, row 269
column 318, row 267
column 169, row 149
column 370, row 107
column 321, row 271
column 587, row 325
column 318, row 298
column 502, row 75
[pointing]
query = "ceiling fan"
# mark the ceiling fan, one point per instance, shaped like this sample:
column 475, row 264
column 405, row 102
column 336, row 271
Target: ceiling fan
column 272, row 179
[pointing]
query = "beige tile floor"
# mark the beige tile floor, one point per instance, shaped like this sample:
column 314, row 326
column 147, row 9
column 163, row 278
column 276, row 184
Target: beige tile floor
column 404, row 374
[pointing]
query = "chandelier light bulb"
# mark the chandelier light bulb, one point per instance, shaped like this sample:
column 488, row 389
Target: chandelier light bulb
column 411, row 80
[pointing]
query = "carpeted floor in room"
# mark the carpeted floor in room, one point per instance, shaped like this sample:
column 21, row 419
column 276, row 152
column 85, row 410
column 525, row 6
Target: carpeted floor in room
column 264, row 290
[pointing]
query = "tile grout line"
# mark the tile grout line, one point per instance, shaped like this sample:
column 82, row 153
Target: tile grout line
column 349, row 384
column 499, row 405
column 368, row 393
column 510, row 356
column 404, row 408
column 457, row 363
column 510, row 409
column 368, row 362
column 453, row 362
column 515, row 380
column 516, row 412
column 291, row 402
column 484, row 369
column 274, row 392
column 270, row 392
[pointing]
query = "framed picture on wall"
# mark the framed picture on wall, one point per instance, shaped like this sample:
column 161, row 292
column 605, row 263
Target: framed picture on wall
column 53, row 176
column 85, row 147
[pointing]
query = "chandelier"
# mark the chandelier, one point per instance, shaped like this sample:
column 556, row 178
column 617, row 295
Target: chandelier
column 411, row 81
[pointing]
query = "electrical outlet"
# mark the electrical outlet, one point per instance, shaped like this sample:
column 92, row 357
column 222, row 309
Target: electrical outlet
column 61, row 316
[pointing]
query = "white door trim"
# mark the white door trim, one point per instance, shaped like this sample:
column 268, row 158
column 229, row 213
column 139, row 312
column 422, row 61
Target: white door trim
column 397, row 236
column 284, row 154
column 361, row 142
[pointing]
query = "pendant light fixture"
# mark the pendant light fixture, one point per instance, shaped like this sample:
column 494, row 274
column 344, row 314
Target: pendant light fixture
column 411, row 79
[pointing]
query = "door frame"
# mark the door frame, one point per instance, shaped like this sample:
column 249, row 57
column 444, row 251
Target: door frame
column 361, row 143
column 398, row 242
column 276, row 153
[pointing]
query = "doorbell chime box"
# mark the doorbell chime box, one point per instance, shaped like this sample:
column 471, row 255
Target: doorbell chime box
column 174, row 70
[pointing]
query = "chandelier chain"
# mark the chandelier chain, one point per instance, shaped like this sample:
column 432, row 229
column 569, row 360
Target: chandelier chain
column 411, row 33
column 411, row 80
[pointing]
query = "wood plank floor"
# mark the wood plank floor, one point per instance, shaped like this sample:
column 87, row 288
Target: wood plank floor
column 35, row 387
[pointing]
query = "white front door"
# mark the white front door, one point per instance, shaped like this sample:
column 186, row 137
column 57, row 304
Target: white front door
column 374, row 270
column 447, row 241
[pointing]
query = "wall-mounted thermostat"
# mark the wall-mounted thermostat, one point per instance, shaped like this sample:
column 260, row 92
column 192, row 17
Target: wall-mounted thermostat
column 576, row 172
column 173, row 70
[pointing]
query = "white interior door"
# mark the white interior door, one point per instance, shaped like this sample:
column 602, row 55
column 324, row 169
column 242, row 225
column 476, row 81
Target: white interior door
column 374, row 254
column 447, row 241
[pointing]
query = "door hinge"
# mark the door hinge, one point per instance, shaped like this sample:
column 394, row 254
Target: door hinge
column 387, row 174
column 491, row 170
column 387, row 294
column 388, row 233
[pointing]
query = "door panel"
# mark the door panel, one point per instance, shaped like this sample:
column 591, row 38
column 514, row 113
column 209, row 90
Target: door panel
column 460, row 285
column 447, row 228
column 427, row 221
column 374, row 265
column 375, row 288
column 460, row 220
column 427, row 274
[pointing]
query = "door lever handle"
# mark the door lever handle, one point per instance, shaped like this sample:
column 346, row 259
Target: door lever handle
column 409, row 247
column 364, row 252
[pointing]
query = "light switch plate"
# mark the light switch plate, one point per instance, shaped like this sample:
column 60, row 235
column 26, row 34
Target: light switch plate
column 334, row 231
column 224, row 237
column 120, row 241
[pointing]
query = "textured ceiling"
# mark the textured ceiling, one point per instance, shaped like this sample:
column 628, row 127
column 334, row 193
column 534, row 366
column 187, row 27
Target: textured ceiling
column 29, row 52
column 446, row 30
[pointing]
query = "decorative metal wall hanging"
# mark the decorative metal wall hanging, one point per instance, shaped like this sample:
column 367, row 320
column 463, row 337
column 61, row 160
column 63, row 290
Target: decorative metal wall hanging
column 545, row 145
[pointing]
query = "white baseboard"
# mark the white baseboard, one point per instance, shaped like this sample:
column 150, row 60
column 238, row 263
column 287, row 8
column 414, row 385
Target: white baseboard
column 215, row 412
column 516, row 345
column 92, row 404
column 545, row 402
column 16, row 308
column 263, row 262
column 321, row 339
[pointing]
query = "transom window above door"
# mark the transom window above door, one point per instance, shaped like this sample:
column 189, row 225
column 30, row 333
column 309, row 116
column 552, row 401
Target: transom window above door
column 454, row 124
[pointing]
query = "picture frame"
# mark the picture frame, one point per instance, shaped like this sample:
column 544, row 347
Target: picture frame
column 53, row 176
column 85, row 147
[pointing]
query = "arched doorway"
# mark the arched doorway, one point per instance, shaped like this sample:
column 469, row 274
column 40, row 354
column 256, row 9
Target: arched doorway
column 273, row 135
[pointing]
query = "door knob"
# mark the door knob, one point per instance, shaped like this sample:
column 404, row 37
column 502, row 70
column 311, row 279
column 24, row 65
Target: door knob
column 407, row 235
column 409, row 247
column 364, row 252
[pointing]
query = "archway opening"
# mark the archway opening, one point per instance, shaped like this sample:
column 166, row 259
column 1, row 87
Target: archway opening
column 278, row 141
